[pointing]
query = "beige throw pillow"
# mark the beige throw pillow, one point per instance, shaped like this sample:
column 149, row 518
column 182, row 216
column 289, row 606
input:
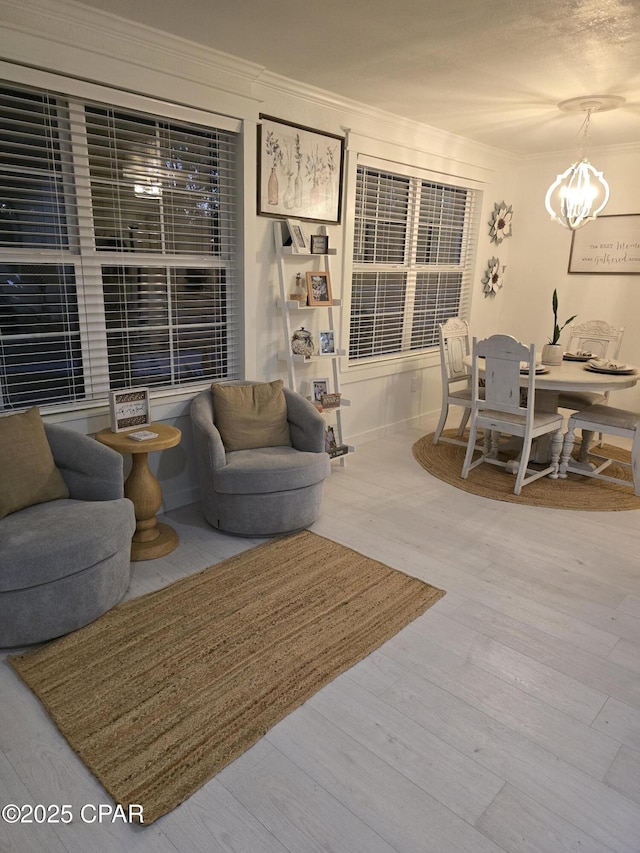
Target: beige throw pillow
column 251, row 415
column 28, row 474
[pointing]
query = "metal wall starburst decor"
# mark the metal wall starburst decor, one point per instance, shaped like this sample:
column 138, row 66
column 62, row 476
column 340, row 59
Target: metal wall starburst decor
column 500, row 222
column 493, row 277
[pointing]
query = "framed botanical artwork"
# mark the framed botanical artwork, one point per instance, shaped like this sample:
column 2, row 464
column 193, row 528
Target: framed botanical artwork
column 319, row 288
column 327, row 343
column 299, row 171
column 129, row 408
column 610, row 245
column 319, row 388
column 299, row 239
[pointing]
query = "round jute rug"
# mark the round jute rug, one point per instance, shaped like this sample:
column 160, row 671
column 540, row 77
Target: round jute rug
column 444, row 461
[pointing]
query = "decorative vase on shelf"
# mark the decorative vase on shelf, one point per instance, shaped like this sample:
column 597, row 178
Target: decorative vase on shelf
column 299, row 291
column 302, row 343
column 552, row 354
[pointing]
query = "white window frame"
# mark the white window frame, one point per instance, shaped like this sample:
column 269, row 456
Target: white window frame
column 385, row 364
column 89, row 260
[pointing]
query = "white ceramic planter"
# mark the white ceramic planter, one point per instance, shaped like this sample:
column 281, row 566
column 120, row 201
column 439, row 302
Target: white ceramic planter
column 552, row 354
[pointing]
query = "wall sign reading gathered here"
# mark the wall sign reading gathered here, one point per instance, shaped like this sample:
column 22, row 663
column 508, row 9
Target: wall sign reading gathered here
column 609, row 245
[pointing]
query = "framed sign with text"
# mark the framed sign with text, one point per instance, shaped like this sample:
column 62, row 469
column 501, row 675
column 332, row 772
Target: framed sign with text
column 610, row 245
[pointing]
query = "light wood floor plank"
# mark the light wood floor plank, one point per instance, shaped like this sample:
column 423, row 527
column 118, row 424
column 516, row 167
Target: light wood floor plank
column 478, row 713
column 568, row 792
column 296, row 809
column 624, row 773
column 456, row 781
column 521, row 825
column 393, row 806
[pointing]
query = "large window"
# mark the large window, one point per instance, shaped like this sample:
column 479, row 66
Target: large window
column 412, row 261
column 117, row 250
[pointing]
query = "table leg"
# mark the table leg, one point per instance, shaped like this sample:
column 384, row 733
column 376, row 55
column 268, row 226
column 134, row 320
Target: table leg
column 151, row 539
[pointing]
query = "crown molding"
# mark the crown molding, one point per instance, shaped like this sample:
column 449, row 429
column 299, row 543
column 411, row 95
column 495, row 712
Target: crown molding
column 79, row 29
column 411, row 133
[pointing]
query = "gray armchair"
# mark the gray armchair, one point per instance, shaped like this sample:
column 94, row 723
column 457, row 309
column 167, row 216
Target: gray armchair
column 263, row 491
column 65, row 562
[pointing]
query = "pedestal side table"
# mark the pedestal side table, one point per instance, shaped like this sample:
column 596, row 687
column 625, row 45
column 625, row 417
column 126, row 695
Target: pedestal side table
column 152, row 538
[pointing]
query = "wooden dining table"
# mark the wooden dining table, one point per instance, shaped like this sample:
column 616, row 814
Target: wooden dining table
column 564, row 377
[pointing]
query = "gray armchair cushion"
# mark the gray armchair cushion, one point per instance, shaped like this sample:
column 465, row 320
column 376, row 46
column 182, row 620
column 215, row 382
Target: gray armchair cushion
column 270, row 469
column 252, row 415
column 28, row 473
column 65, row 562
column 49, row 541
column 92, row 471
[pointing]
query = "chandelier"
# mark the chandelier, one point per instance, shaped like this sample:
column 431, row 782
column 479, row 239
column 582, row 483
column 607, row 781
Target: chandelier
column 579, row 194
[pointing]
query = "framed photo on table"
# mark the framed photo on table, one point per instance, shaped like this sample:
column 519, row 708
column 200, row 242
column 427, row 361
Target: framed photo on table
column 319, row 288
column 300, row 171
column 129, row 408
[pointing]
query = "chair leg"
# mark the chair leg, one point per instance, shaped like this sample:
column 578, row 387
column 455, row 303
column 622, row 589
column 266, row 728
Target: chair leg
column 465, row 418
column 567, row 447
column 522, row 468
column 470, row 448
column 443, row 419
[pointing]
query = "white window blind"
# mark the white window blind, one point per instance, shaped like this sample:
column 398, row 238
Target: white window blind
column 414, row 245
column 118, row 244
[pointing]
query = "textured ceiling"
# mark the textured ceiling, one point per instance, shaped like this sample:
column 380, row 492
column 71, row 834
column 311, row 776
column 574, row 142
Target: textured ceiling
column 490, row 70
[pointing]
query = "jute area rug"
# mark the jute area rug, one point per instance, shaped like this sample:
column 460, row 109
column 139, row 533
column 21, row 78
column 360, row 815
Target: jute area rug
column 163, row 691
column 444, row 461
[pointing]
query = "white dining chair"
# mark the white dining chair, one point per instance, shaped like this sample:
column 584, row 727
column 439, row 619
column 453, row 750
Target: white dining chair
column 602, row 341
column 611, row 421
column 503, row 409
column 454, row 343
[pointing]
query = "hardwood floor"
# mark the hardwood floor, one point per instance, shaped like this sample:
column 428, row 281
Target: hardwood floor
column 506, row 718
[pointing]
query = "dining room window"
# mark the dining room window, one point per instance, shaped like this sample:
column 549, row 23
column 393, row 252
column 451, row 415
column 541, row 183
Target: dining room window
column 118, row 248
column 413, row 254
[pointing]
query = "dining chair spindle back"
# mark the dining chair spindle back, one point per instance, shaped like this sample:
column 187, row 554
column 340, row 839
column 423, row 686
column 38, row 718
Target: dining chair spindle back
column 454, row 341
column 503, row 409
column 602, row 341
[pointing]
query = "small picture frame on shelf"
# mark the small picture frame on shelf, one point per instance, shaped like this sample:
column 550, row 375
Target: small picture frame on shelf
column 319, row 388
column 319, row 244
column 129, row 408
column 319, row 288
column 299, row 239
column 327, row 342
column 330, row 401
column 330, row 443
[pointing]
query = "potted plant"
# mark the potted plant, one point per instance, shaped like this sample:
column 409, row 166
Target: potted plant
column 552, row 352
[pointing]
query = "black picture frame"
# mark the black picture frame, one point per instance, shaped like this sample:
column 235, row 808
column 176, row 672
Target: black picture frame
column 319, row 244
column 300, row 171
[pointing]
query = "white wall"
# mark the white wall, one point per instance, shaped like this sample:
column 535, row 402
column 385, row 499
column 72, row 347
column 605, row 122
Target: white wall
column 541, row 257
column 63, row 37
